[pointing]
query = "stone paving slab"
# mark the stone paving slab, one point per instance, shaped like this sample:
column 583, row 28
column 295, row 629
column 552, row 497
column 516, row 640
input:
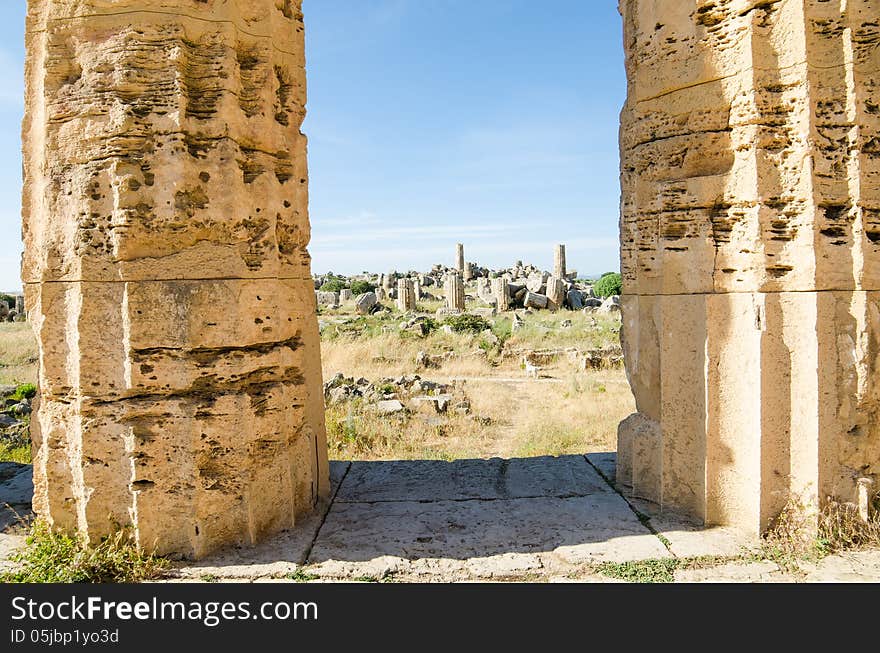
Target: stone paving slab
column 734, row 572
column 851, row 567
column 436, row 480
column 606, row 463
column 689, row 540
column 593, row 528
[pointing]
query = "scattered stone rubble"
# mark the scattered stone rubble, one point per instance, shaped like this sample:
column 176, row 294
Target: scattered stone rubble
column 14, row 417
column 519, row 286
column 406, row 394
column 14, row 313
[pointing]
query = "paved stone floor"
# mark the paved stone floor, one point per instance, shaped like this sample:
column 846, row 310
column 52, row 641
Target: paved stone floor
column 553, row 519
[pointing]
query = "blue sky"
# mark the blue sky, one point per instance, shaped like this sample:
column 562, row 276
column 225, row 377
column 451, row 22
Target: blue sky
column 431, row 122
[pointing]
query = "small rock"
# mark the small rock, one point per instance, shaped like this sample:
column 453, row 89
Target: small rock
column 389, row 407
column 6, row 421
column 20, row 409
column 365, row 303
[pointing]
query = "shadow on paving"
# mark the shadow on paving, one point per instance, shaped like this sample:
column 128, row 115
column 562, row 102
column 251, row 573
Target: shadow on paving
column 465, row 510
column 479, row 508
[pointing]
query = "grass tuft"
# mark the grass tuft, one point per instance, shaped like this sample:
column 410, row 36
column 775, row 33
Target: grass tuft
column 800, row 534
column 51, row 557
column 660, row 570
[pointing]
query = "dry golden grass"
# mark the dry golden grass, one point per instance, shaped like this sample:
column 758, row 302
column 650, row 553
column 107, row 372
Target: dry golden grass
column 565, row 411
column 18, row 354
column 800, row 532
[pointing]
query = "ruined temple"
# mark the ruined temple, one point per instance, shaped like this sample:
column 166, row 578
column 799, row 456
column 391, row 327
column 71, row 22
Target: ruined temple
column 167, row 277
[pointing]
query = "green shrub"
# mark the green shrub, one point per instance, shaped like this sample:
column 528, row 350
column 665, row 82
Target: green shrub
column 503, row 329
column 51, row 557
column 467, row 323
column 334, row 285
column 361, row 287
column 24, row 391
column 610, row 284
column 9, row 299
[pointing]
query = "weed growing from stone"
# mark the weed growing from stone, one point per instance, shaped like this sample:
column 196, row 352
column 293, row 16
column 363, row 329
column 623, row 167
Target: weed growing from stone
column 51, row 557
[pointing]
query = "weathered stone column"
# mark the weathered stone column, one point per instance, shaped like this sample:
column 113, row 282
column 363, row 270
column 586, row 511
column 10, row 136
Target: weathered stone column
column 406, row 300
column 166, row 272
column 555, row 293
column 559, row 262
column 501, row 291
column 459, row 259
column 417, row 289
column 750, row 246
column 454, row 288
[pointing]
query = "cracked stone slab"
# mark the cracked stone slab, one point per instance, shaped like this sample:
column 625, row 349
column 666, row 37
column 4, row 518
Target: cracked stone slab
column 688, row 539
column 435, row 480
column 752, row 572
column 504, row 565
column 592, row 528
column 606, row 463
column 851, row 567
column 279, row 555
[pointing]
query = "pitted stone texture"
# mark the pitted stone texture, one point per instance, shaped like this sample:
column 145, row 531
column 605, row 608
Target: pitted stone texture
column 278, row 555
column 726, row 99
column 172, row 138
column 167, row 276
column 749, row 246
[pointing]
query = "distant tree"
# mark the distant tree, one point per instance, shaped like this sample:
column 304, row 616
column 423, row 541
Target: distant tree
column 361, row 287
column 9, row 299
column 610, row 284
column 333, row 285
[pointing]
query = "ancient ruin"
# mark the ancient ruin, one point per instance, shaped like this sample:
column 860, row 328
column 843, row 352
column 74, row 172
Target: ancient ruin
column 750, row 231
column 454, row 288
column 406, row 296
column 167, row 279
column 559, row 270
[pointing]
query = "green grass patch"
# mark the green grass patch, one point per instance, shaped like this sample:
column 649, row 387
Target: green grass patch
column 24, row 391
column 301, row 576
column 51, row 557
column 661, row 570
column 15, row 453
